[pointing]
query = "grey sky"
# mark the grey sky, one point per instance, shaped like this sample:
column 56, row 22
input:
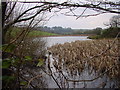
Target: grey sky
column 81, row 23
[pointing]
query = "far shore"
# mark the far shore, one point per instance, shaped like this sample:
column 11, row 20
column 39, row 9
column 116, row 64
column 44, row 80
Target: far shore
column 64, row 35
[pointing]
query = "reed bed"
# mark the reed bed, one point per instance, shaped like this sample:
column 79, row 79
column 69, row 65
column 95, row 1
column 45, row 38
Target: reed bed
column 95, row 55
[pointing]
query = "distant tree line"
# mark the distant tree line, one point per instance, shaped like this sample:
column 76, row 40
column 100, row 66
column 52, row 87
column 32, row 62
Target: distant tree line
column 96, row 31
column 68, row 31
column 56, row 29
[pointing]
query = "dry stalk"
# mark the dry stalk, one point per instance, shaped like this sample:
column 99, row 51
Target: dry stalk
column 33, row 79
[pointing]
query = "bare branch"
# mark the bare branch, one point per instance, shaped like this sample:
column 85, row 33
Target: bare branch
column 66, row 4
column 82, row 13
column 38, row 76
column 10, row 11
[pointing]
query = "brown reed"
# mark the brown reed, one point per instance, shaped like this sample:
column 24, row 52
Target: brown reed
column 76, row 55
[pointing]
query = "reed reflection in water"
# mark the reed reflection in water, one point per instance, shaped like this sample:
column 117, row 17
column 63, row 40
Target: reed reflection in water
column 76, row 64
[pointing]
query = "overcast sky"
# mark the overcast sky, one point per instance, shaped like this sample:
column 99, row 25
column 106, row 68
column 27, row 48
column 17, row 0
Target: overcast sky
column 81, row 23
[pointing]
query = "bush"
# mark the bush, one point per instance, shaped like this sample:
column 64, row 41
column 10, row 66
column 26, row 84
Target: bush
column 107, row 33
column 110, row 32
column 21, row 59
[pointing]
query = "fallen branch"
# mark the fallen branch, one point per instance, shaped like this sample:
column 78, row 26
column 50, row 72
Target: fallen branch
column 33, row 79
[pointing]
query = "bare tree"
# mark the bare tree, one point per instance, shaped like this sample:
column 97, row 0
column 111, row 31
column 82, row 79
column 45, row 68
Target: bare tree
column 15, row 13
column 115, row 21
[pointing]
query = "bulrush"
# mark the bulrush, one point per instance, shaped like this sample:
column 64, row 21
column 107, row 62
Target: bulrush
column 79, row 55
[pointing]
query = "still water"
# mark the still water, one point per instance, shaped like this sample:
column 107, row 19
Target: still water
column 51, row 83
column 62, row 39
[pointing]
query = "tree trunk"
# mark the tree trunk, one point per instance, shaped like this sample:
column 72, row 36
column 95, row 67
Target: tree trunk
column 4, row 6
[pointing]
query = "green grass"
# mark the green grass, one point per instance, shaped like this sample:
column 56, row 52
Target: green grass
column 41, row 33
column 94, row 37
column 33, row 33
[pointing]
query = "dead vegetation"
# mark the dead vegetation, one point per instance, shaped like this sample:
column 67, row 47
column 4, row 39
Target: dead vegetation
column 97, row 56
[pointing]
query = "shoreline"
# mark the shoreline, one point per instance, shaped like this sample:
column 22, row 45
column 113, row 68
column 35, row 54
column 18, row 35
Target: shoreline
column 61, row 35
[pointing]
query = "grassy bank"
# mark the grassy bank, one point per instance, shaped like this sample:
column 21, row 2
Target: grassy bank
column 94, row 37
column 33, row 33
column 41, row 33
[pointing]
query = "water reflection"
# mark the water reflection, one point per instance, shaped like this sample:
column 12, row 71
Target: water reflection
column 104, row 80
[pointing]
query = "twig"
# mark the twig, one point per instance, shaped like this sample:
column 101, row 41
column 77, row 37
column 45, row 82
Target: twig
column 82, row 13
column 33, row 79
column 26, row 80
